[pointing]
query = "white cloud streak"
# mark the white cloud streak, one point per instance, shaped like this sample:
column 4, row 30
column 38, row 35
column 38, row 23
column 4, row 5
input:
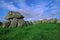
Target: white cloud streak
column 31, row 13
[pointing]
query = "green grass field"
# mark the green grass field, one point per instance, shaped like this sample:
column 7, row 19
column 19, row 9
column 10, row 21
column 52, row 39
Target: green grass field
column 43, row 31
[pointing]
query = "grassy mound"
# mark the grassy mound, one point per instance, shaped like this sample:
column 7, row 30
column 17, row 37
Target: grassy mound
column 44, row 31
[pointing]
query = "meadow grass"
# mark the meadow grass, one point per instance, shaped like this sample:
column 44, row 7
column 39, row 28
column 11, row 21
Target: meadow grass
column 45, row 31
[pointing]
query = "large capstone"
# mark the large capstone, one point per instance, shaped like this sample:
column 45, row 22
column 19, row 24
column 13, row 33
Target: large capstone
column 13, row 14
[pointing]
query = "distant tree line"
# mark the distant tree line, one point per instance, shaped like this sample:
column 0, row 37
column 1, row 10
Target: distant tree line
column 52, row 20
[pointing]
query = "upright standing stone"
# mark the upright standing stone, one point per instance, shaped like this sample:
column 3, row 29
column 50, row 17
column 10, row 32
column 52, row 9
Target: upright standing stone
column 14, row 23
column 6, row 23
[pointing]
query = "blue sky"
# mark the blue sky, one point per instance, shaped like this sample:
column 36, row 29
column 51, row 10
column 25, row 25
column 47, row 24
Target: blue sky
column 31, row 9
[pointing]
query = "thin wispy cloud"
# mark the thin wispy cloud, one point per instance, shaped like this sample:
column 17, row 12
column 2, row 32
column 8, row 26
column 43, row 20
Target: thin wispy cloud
column 35, row 10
